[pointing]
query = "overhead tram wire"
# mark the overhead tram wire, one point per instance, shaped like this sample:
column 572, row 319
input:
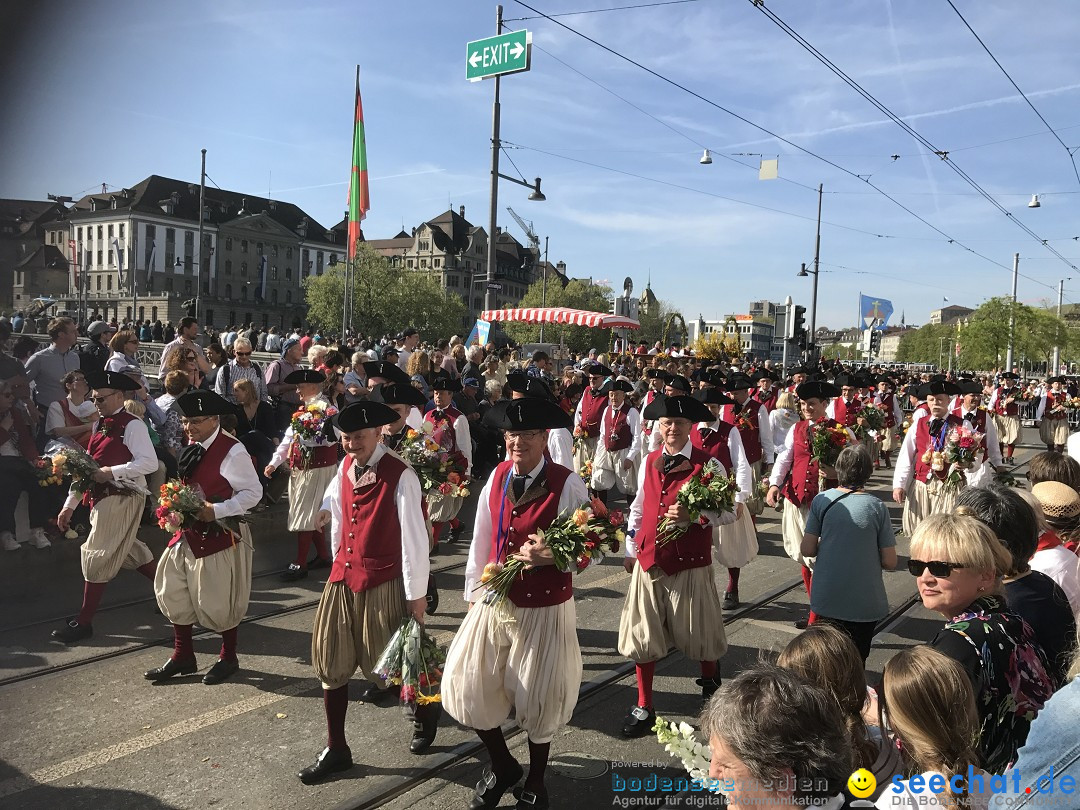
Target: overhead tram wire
column 1070, row 151
column 613, row 8
column 881, row 107
column 951, row 240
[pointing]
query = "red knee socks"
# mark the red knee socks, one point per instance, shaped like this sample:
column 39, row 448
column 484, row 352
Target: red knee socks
column 92, row 592
column 732, row 580
column 228, row 645
column 708, row 670
column 148, row 570
column 303, row 546
column 644, row 674
column 319, row 539
column 436, row 530
column 806, row 578
column 336, row 703
column 183, row 648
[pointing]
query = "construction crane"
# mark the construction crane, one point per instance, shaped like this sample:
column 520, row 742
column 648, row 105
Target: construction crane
column 534, row 240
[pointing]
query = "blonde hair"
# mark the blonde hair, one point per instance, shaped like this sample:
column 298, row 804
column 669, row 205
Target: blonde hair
column 824, row 656
column 316, row 354
column 931, row 709
column 786, row 401
column 963, row 539
column 248, row 387
column 418, row 364
column 135, row 408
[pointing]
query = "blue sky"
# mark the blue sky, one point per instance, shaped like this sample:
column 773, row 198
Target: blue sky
column 113, row 91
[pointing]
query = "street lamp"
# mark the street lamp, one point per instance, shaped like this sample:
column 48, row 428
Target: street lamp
column 811, row 344
column 536, row 196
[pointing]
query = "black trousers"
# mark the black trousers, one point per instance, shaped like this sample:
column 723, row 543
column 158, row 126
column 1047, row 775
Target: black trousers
column 16, row 477
column 862, row 633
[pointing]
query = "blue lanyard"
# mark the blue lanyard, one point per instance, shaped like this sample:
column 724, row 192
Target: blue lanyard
column 503, row 537
column 938, row 441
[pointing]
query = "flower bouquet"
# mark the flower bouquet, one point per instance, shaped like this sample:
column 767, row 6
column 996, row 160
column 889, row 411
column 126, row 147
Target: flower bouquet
column 873, row 420
column 1073, row 404
column 73, row 462
column 413, row 661
column 678, row 740
column 310, row 423
column 956, row 455
column 48, row 474
column 179, row 503
column 580, row 434
column 575, row 539
column 439, row 469
column 710, row 491
column 586, row 472
column 827, row 443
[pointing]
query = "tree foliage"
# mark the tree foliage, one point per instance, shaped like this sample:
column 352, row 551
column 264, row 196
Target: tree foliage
column 655, row 322
column 578, row 294
column 385, row 300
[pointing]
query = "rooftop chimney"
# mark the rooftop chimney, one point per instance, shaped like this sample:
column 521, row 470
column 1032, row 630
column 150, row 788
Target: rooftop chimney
column 461, row 211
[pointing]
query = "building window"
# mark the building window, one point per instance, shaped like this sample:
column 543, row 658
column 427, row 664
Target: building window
column 259, row 249
column 274, row 251
column 187, row 285
column 110, row 231
column 273, row 272
column 423, row 263
column 228, row 267
column 108, row 282
column 99, row 283
column 243, row 292
column 189, row 250
column 228, row 243
column 99, row 257
column 425, row 244
column 243, row 269
column 243, row 245
column 288, row 252
column 121, row 230
column 437, row 263
column 151, row 231
column 333, row 258
column 228, row 292
column 168, row 284
column 100, row 232
column 319, row 263
column 408, row 263
column 78, row 233
column 273, row 296
column 288, row 273
column 288, row 296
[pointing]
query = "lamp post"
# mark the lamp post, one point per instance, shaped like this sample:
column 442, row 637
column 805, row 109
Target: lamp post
column 811, row 343
column 1012, row 313
column 1057, row 330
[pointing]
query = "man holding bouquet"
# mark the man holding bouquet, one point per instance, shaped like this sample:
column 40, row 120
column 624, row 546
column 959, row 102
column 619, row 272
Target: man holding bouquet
column 379, row 575
column 120, row 444
column 971, row 411
column 802, row 467
column 672, row 599
column 1052, row 416
column 521, row 653
column 450, row 428
column 1005, row 403
column 922, row 459
column 204, row 575
column 590, row 410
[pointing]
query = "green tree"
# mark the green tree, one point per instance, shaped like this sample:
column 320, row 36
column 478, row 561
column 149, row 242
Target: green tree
column 578, row 294
column 654, row 323
column 924, row 345
column 384, row 300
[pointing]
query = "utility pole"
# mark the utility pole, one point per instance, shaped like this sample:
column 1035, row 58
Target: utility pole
column 202, row 217
column 543, row 288
column 788, row 326
column 489, row 292
column 817, row 259
column 1057, row 331
column 1012, row 313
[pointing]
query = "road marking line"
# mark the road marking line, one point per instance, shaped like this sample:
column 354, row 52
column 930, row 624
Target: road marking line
column 103, row 756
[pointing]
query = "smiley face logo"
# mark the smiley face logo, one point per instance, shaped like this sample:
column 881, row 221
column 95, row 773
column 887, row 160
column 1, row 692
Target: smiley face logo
column 861, row 783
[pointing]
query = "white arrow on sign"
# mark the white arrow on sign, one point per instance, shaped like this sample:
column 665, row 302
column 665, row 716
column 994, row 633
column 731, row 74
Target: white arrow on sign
column 474, row 59
column 517, row 50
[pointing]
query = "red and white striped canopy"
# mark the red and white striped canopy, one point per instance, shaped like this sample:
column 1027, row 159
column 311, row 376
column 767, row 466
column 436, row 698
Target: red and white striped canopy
column 575, row 317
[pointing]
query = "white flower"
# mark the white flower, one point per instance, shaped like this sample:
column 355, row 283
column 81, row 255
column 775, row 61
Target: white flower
column 686, row 730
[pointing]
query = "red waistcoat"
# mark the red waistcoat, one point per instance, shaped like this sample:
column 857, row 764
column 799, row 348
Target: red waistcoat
column 750, row 436
column 887, row 404
column 922, row 469
column 1052, row 400
column 444, row 426
column 592, row 411
column 370, row 550
column 980, row 425
column 1013, row 408
column 323, row 455
column 691, row 550
column 543, row 585
column 714, row 442
column 202, row 538
column 618, row 436
column 646, row 426
column 801, row 484
column 768, row 400
column 107, row 448
column 843, row 414
column 71, row 420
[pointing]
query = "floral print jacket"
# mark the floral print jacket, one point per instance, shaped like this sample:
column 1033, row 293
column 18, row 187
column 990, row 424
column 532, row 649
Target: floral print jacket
column 1008, row 671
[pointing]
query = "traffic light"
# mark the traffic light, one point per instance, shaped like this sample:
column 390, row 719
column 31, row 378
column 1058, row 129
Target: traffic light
column 798, row 325
column 875, row 341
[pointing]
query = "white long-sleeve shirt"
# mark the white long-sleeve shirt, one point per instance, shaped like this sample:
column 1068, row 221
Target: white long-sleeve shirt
column 415, row 565
column 573, row 495
column 1040, row 412
column 744, row 476
column 993, row 451
column 633, row 419
column 784, row 457
column 637, row 508
column 765, row 436
column 282, row 451
column 560, row 445
column 237, row 469
column 780, row 422
column 143, row 459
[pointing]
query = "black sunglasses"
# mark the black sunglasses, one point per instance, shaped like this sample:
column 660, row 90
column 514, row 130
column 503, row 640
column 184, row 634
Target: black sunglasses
column 937, row 568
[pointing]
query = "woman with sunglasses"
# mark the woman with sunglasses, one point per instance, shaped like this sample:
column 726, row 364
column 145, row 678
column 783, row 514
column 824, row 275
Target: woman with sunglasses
column 74, row 415
column 183, row 359
column 959, row 565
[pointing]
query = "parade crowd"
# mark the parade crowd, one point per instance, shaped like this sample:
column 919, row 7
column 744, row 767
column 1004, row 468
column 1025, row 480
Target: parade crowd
column 349, row 428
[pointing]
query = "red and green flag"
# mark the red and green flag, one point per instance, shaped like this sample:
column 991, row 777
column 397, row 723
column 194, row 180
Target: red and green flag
column 359, row 198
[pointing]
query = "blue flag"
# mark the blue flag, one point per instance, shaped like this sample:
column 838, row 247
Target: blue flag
column 875, row 312
column 479, row 333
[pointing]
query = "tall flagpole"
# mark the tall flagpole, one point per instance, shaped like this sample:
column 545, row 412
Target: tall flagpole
column 134, row 278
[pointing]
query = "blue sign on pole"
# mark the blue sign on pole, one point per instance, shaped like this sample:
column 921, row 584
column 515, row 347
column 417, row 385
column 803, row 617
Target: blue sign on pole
column 479, row 334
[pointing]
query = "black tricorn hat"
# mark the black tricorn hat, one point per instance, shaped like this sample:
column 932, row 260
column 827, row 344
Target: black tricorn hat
column 685, row 407
column 445, row 383
column 402, row 394
column 204, row 403
column 938, row 387
column 305, row 375
column 738, row 382
column 391, row 372
column 653, row 373
column 529, row 413
column 620, row 385
column 677, row 381
column 529, row 386
column 714, row 396
column 596, row 370
column 111, row 379
column 817, row 389
column 362, row 415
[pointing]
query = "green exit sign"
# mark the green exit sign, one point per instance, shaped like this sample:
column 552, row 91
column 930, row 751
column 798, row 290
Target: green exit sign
column 497, row 56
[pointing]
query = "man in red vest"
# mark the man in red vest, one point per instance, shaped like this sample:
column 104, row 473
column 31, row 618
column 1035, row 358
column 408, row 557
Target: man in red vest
column 589, row 412
column 751, row 419
column 798, row 476
column 1005, row 403
column 204, row 575
column 766, row 391
column 672, row 599
column 886, row 401
column 970, row 409
column 121, row 444
column 520, row 654
column 616, row 460
column 379, row 575
column 918, row 482
column 1052, row 417
column 450, row 428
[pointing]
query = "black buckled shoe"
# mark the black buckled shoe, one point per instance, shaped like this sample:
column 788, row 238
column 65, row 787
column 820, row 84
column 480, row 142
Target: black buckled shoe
column 371, row 693
column 529, row 800
column 709, row 686
column 432, row 596
column 490, row 789
column 185, row 666
column 639, row 722
column 801, row 624
column 293, row 573
column 221, row 671
column 455, row 534
column 330, row 761
column 319, row 562
column 425, row 727
column 731, row 600
column 72, row 632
